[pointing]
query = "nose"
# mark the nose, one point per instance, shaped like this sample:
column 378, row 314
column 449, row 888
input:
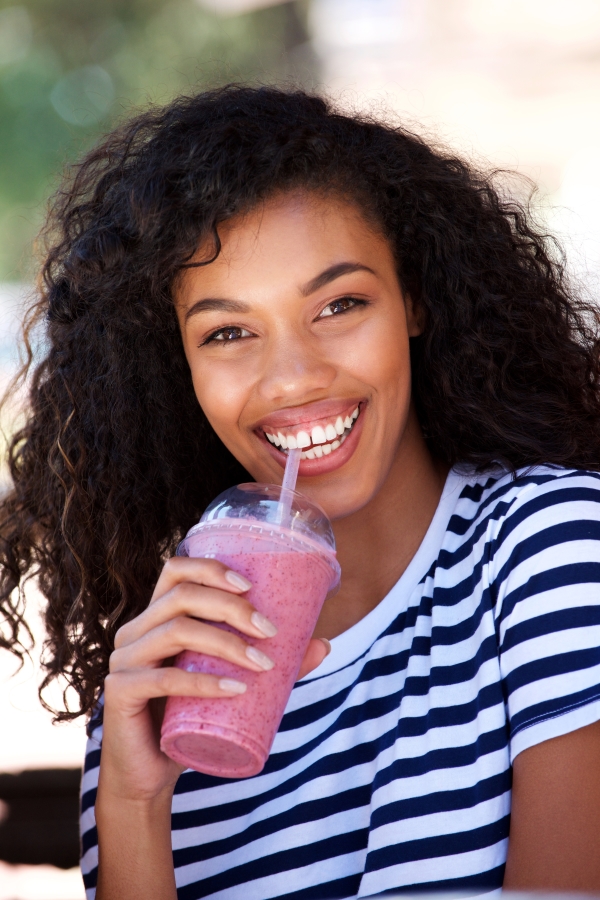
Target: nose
column 294, row 370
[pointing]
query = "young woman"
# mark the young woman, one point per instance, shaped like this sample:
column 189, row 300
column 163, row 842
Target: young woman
column 224, row 273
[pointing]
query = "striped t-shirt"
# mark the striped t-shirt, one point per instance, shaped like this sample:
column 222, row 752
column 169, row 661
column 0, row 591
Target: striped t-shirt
column 392, row 765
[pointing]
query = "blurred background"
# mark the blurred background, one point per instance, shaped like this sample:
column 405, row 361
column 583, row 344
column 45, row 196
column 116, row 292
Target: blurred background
column 509, row 83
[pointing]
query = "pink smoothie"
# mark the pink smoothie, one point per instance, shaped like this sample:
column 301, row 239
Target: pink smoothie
column 232, row 737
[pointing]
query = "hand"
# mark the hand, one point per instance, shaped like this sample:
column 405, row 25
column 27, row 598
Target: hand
column 189, row 594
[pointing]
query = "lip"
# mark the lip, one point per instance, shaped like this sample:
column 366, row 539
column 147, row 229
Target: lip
column 309, row 468
column 312, row 412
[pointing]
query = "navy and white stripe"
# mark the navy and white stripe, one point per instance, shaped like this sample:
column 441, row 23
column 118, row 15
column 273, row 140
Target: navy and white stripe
column 392, row 766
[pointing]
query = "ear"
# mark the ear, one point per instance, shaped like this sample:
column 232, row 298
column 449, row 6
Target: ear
column 415, row 319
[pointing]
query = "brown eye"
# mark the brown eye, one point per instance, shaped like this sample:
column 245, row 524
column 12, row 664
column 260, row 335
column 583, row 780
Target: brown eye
column 341, row 305
column 225, row 335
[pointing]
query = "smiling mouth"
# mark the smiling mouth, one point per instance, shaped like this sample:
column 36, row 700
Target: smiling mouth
column 320, row 441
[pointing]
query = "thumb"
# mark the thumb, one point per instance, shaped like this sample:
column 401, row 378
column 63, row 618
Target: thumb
column 317, row 650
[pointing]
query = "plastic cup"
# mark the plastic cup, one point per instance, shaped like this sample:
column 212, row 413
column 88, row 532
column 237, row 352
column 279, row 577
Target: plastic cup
column 292, row 568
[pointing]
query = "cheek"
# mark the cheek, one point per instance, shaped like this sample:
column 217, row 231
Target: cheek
column 380, row 357
column 221, row 398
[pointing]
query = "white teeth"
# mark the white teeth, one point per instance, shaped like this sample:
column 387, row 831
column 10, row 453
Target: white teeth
column 321, row 440
column 322, row 449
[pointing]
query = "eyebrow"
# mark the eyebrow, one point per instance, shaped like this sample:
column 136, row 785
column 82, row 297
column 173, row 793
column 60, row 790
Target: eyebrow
column 217, row 304
column 330, row 274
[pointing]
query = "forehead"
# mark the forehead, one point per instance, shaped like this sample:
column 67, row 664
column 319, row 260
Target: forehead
column 296, row 235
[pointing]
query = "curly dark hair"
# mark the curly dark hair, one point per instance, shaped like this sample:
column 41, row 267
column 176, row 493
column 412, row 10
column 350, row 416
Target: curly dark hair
column 116, row 459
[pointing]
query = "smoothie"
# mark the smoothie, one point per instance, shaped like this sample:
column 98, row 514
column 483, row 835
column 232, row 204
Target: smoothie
column 233, row 736
column 292, row 567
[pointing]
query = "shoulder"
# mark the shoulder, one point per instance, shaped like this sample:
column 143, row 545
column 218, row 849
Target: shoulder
column 539, row 523
column 525, row 501
column 541, row 568
column 539, row 540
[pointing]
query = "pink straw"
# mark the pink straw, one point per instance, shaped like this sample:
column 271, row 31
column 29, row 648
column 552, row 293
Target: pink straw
column 288, row 485
column 291, row 470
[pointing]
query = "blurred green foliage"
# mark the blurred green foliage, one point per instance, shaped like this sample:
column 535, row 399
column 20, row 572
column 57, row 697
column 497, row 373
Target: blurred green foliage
column 70, row 69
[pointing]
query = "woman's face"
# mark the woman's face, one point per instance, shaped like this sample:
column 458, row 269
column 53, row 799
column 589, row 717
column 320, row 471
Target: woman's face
column 297, row 335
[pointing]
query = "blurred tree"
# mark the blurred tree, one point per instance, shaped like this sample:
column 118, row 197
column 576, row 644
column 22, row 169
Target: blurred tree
column 69, row 70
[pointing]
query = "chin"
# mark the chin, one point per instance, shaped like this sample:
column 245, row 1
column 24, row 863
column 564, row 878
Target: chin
column 337, row 500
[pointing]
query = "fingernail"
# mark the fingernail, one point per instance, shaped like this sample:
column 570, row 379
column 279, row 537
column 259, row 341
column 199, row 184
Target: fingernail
column 263, row 624
column 232, row 686
column 327, row 645
column 238, row 581
column 261, row 659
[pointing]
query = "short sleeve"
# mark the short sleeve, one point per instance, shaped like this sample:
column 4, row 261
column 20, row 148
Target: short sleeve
column 546, row 581
column 89, row 787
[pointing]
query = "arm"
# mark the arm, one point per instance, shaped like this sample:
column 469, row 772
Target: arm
column 555, row 821
column 134, row 853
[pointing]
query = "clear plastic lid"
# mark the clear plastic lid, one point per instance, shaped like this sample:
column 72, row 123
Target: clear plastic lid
column 262, row 503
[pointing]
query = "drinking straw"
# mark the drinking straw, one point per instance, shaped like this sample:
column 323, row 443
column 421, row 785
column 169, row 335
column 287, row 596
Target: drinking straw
column 291, row 470
column 288, row 484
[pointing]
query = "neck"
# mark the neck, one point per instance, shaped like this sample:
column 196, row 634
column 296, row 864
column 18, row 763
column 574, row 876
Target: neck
column 376, row 543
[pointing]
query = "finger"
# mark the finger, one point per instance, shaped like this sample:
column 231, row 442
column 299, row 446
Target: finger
column 129, row 691
column 200, row 602
column 316, row 652
column 182, row 633
column 209, row 572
